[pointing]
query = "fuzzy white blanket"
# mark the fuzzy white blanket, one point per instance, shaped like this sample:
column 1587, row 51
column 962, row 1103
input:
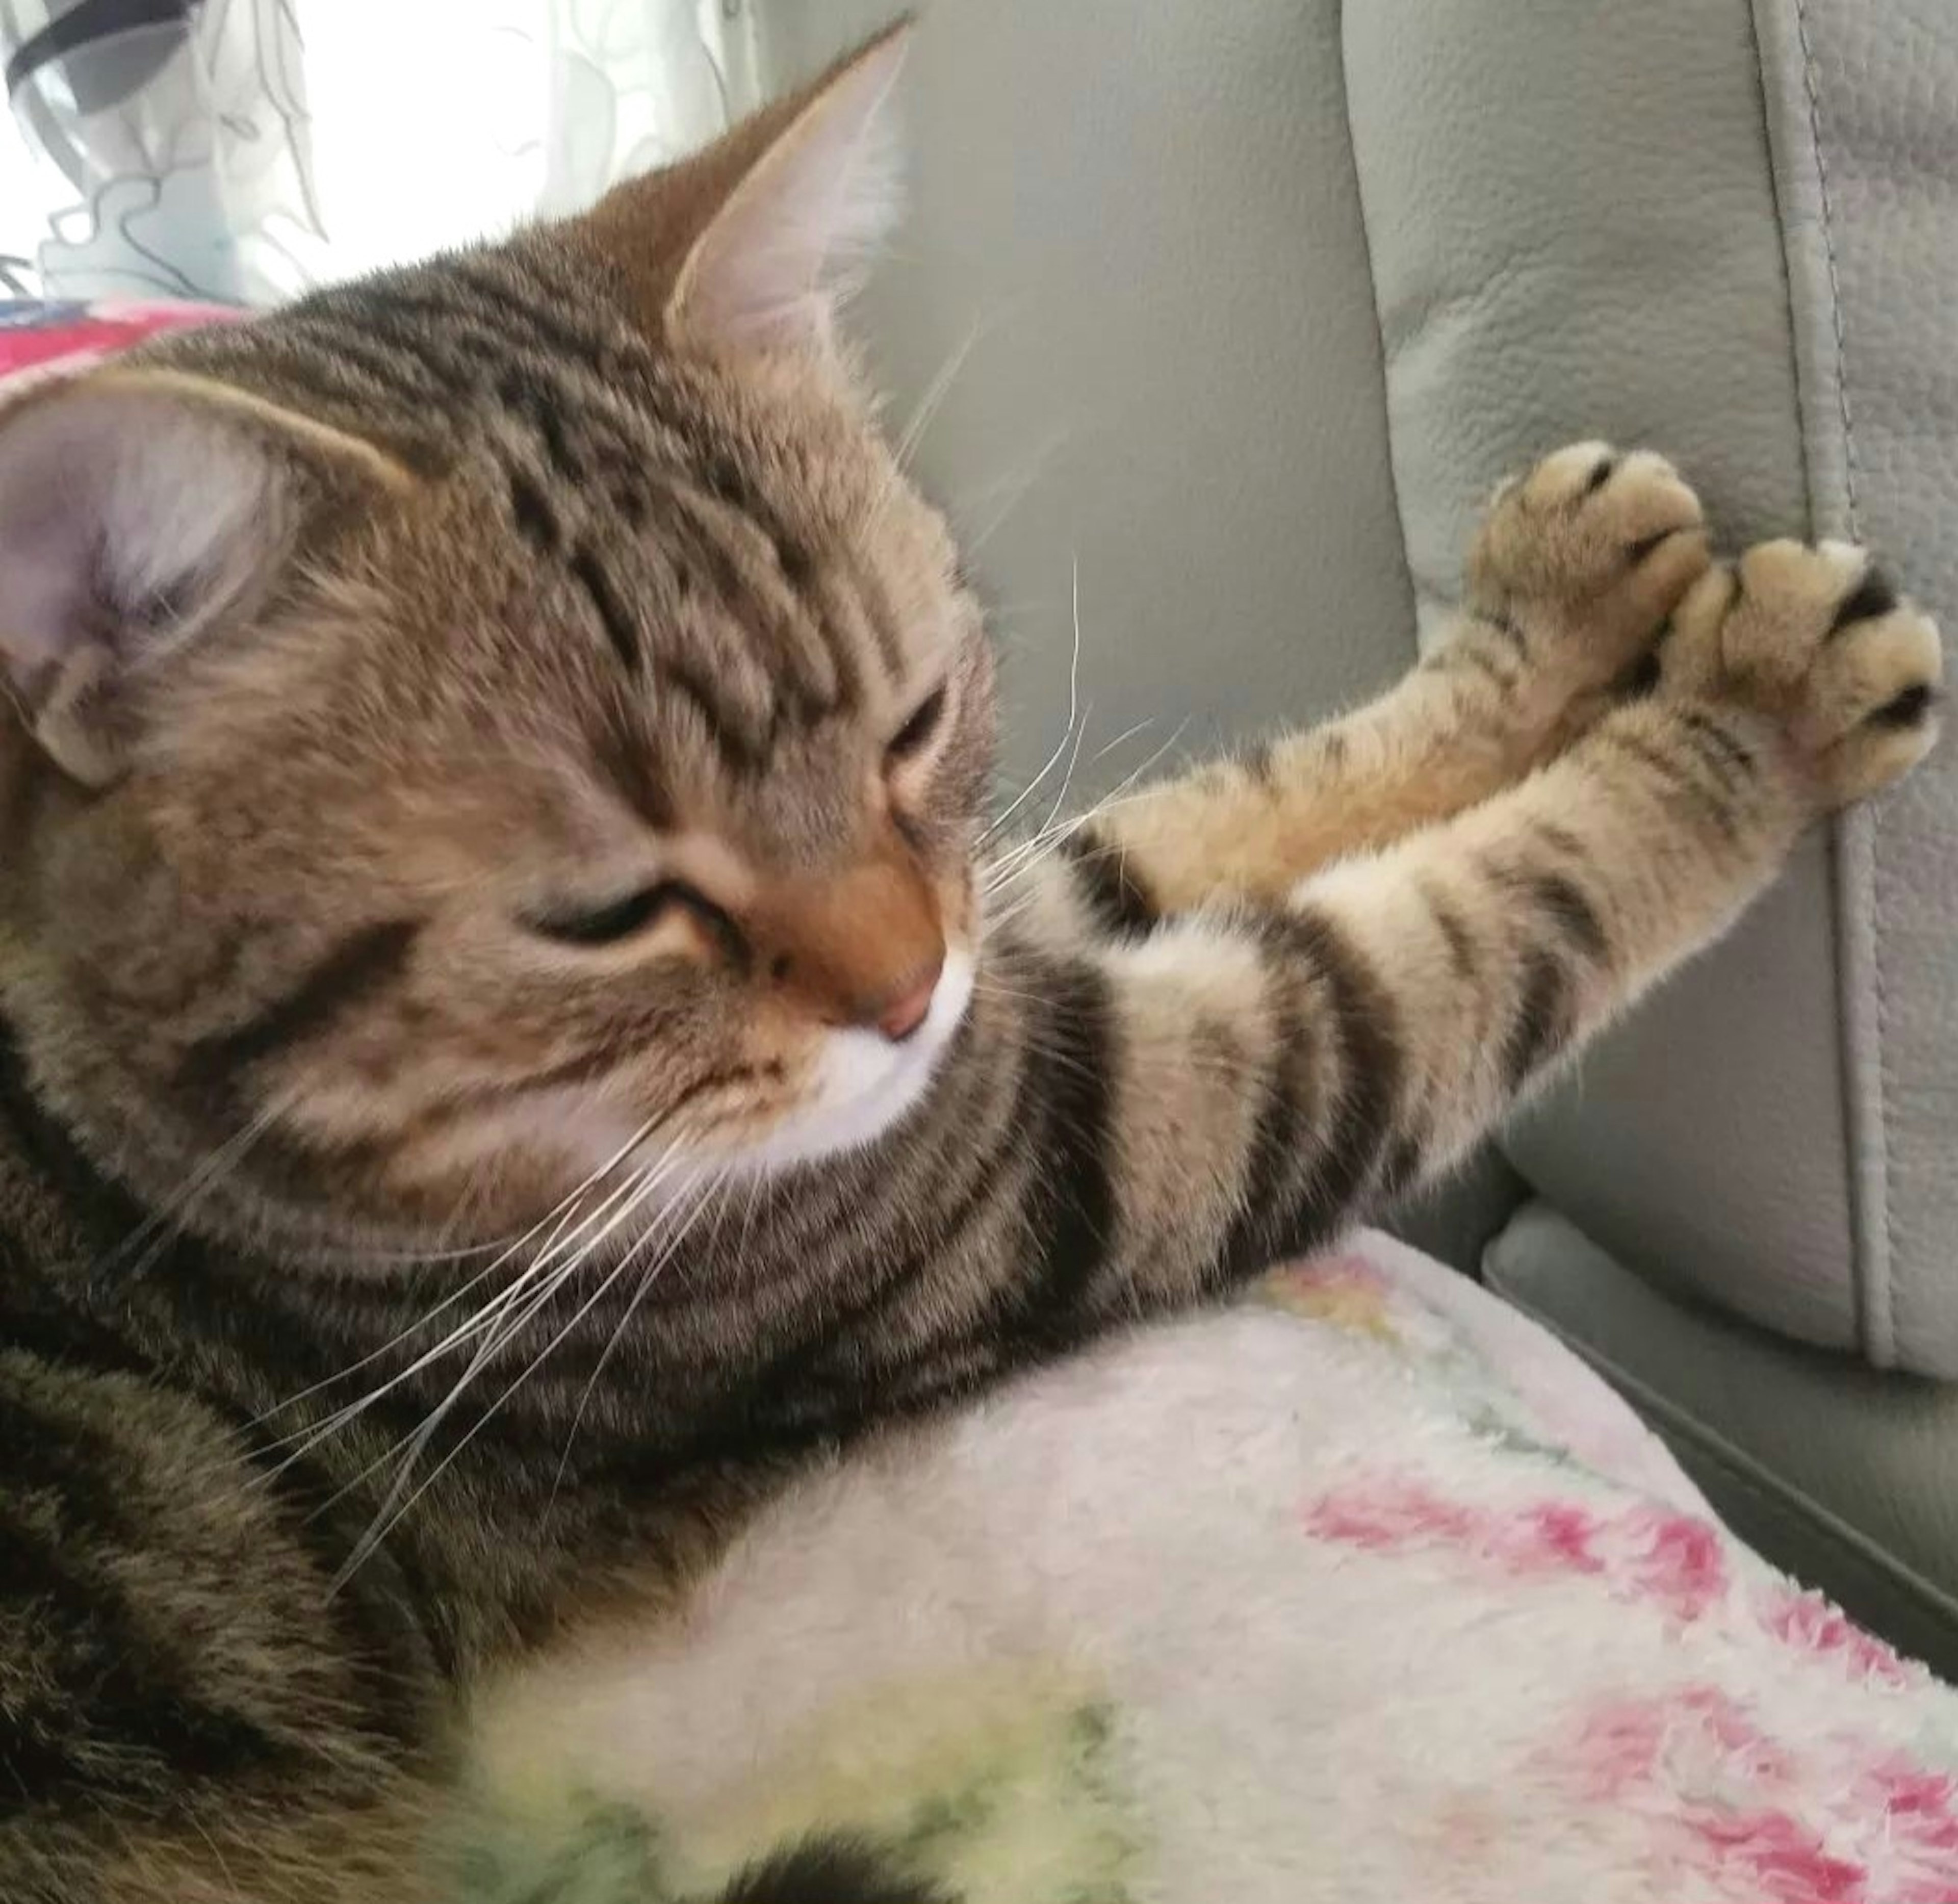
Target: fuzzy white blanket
column 1367, row 1592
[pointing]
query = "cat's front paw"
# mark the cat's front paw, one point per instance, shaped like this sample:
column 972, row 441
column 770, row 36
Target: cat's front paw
column 1818, row 641
column 1586, row 557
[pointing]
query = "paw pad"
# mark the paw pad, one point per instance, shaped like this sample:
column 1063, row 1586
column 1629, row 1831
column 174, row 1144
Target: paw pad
column 1818, row 640
column 1589, row 553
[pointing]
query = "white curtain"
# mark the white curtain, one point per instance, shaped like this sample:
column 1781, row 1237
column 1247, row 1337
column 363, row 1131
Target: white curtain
column 240, row 151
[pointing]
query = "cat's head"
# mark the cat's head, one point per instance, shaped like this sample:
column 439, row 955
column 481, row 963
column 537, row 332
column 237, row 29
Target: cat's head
column 490, row 716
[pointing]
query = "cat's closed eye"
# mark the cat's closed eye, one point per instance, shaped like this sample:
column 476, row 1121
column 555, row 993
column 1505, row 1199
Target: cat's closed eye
column 919, row 728
column 614, row 921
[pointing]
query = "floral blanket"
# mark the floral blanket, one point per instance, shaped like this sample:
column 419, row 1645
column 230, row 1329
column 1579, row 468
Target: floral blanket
column 1367, row 1590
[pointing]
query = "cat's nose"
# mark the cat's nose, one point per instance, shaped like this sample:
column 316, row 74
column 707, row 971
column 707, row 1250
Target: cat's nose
column 862, row 947
column 901, row 1014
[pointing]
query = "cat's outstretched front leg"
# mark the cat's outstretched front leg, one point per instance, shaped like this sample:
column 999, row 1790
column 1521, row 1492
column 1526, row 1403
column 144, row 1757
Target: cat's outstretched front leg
column 1574, row 572
column 1267, row 1073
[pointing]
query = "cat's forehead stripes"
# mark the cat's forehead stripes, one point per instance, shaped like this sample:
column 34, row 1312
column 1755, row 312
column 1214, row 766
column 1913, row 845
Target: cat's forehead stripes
column 666, row 533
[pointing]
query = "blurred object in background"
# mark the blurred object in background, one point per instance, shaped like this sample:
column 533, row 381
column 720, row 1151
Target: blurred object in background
column 41, row 338
column 240, row 151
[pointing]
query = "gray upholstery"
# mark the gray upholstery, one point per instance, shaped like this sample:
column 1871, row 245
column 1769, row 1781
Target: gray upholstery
column 1263, row 296
column 1139, row 215
column 1618, row 243
column 1863, row 117
column 1603, row 253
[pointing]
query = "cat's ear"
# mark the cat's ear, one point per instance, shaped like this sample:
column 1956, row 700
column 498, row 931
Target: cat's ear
column 757, row 239
column 139, row 508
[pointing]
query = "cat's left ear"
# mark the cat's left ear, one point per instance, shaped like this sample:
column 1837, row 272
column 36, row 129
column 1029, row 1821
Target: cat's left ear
column 140, row 510
column 757, row 239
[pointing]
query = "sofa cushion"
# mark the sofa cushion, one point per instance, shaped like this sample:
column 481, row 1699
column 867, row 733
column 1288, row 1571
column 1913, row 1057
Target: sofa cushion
column 1726, row 230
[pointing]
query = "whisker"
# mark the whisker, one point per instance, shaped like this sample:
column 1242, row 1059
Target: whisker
column 1067, row 733
column 587, row 1237
column 1127, row 734
column 1014, row 488
column 408, row 1447
column 397, row 1503
column 161, row 1226
column 928, row 407
column 559, row 1214
column 483, row 1321
column 646, row 1282
column 1020, row 860
column 369, row 1259
column 1074, row 759
column 489, row 1319
column 935, row 393
column 984, row 988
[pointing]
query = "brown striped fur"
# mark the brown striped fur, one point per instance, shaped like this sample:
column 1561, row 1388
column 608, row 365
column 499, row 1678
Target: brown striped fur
column 556, row 753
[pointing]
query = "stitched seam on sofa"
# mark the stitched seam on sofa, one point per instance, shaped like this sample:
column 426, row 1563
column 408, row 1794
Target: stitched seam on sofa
column 1854, row 944
column 1794, row 1506
column 1812, row 85
column 1379, row 328
column 1859, row 831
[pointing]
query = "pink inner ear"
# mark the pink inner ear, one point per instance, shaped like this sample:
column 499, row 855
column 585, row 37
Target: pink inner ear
column 771, row 266
column 113, row 496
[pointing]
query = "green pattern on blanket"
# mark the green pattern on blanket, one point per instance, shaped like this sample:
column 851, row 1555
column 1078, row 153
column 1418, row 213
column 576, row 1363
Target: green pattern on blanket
column 604, row 1855
column 994, row 1786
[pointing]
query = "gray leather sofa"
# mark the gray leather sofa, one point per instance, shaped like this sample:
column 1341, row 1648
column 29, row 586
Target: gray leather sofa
column 1241, row 306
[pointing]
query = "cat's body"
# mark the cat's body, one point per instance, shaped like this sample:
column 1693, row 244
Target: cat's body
column 490, row 892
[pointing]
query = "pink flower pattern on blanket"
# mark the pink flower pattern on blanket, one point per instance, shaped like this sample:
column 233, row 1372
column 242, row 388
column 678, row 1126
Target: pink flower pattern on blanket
column 1808, row 1623
column 1769, row 1751
column 1641, row 1550
column 1830, row 1819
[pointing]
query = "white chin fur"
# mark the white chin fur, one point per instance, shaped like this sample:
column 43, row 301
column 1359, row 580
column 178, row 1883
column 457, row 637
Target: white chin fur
column 864, row 1083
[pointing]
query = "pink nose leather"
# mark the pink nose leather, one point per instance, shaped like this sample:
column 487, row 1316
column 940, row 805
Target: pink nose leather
column 904, row 1013
column 862, row 947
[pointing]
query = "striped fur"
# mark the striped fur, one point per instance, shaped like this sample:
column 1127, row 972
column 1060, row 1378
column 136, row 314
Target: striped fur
column 301, row 1026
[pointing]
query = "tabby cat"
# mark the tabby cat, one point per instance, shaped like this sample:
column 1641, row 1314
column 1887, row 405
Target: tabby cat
column 513, row 1040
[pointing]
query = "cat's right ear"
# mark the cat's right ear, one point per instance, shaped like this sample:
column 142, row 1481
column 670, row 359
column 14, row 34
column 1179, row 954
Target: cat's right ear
column 139, row 508
column 754, row 241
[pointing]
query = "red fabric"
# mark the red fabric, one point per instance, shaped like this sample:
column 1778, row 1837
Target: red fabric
column 40, row 338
